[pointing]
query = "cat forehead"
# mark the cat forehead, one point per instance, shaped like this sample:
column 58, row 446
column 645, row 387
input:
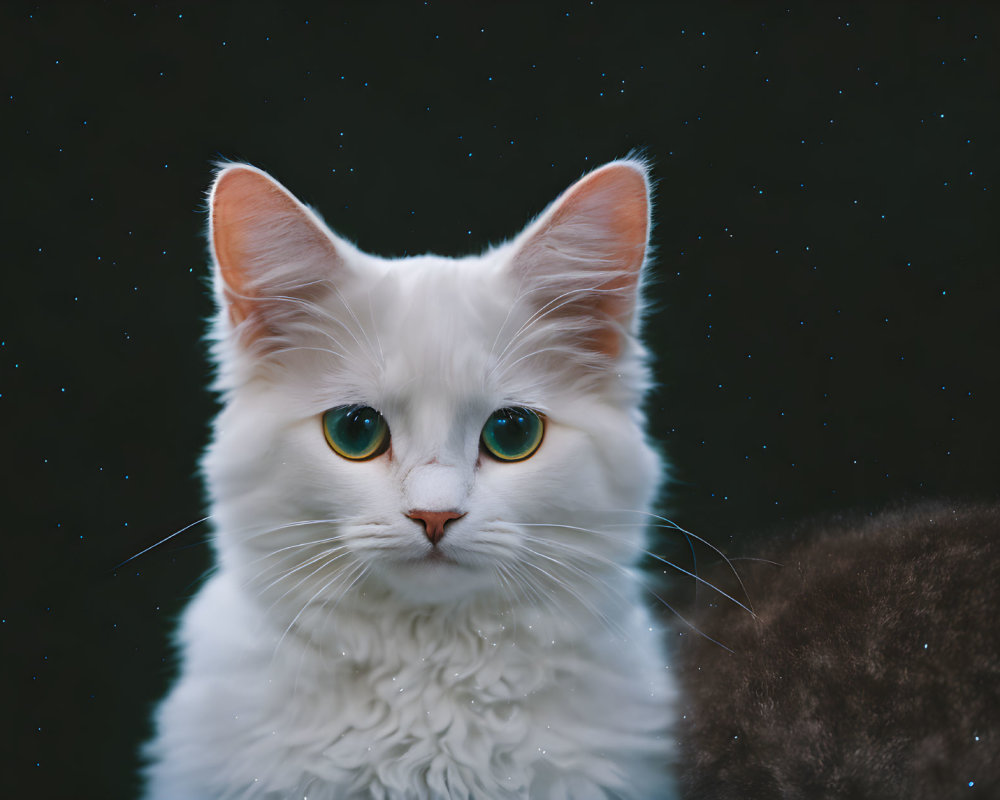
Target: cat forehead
column 424, row 324
column 434, row 279
column 429, row 304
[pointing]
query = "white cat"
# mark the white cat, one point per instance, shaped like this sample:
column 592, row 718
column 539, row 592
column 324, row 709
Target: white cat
column 430, row 483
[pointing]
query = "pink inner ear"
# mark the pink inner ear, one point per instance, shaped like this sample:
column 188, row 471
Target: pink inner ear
column 258, row 229
column 607, row 213
column 613, row 199
column 241, row 198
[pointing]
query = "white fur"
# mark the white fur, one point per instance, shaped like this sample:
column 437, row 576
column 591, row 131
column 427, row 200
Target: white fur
column 331, row 659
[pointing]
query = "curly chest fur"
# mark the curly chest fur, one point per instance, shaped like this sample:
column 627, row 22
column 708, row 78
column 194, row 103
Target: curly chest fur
column 418, row 705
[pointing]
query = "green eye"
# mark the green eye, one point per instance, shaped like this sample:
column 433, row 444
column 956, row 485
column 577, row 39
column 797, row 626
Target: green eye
column 513, row 434
column 355, row 432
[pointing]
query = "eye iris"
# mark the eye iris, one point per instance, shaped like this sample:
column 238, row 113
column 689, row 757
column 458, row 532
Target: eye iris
column 355, row 432
column 512, row 434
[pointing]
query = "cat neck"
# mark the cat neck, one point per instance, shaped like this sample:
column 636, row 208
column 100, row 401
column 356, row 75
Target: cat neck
column 373, row 623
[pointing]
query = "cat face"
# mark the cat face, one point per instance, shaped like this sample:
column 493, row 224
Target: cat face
column 434, row 428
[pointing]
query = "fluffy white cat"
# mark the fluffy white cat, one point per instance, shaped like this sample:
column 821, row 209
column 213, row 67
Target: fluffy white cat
column 430, row 484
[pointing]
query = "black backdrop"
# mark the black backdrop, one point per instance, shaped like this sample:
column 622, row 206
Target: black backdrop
column 826, row 292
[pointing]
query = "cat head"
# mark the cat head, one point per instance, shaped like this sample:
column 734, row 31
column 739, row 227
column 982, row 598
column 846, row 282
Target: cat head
column 431, row 426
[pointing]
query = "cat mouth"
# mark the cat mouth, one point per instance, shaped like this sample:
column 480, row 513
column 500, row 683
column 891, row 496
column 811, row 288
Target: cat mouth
column 435, row 556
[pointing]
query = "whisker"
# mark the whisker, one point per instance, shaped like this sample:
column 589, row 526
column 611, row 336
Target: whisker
column 371, row 315
column 354, row 316
column 532, row 354
column 586, row 555
column 309, row 563
column 508, row 593
column 688, row 623
column 594, row 579
column 327, row 350
column 543, row 312
column 305, row 606
column 317, row 329
column 295, row 524
column 320, row 311
column 503, row 325
column 297, row 546
column 348, row 571
column 288, row 573
column 344, row 591
column 567, row 587
column 614, row 627
column 671, row 525
column 527, row 585
column 163, row 540
column 509, row 581
column 538, row 314
column 578, row 552
column 762, row 560
column 648, row 553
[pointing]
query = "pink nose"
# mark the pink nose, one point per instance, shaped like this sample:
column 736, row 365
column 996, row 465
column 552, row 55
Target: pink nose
column 434, row 522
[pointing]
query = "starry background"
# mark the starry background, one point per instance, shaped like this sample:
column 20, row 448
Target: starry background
column 825, row 323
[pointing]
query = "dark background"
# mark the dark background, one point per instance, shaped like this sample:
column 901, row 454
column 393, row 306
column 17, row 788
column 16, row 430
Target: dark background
column 826, row 319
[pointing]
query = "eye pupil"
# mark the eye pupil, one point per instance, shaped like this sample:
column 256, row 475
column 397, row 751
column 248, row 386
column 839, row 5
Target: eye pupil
column 512, row 434
column 356, row 432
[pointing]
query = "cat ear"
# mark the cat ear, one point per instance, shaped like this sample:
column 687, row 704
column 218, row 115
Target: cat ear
column 272, row 253
column 582, row 258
